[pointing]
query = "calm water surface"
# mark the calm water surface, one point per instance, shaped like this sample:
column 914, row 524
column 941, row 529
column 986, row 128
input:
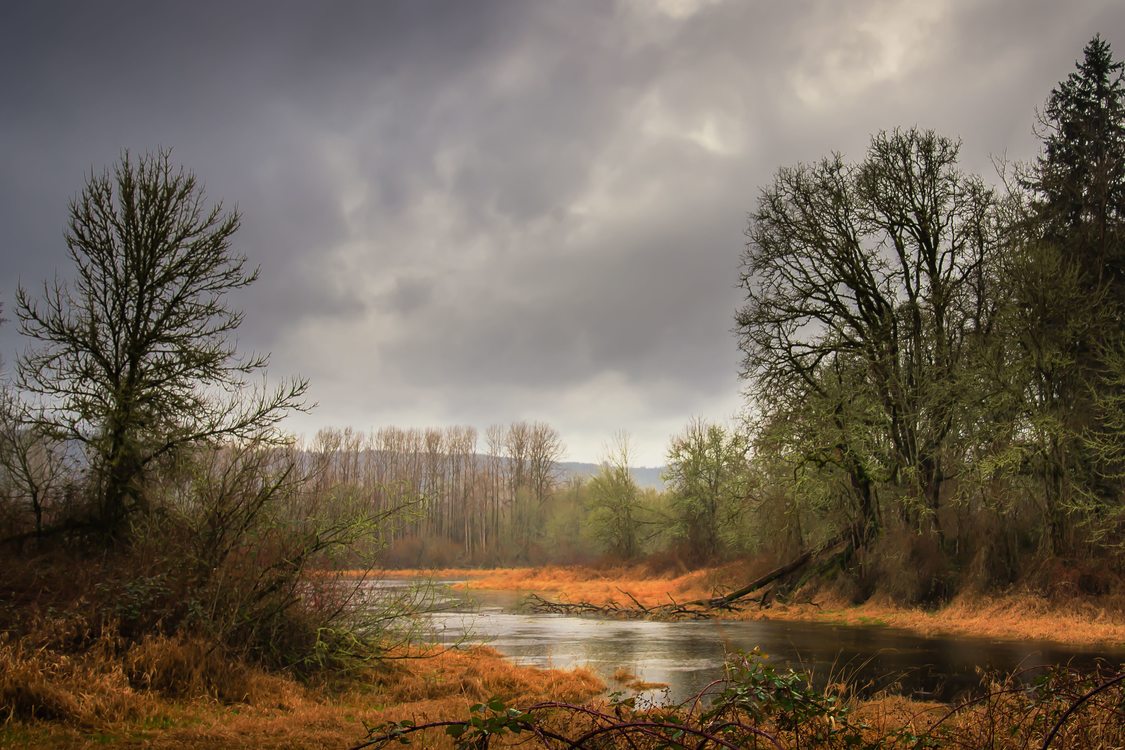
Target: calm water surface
column 686, row 656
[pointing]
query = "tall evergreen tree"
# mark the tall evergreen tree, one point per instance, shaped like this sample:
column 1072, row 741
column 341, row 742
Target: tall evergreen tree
column 1069, row 285
column 1080, row 182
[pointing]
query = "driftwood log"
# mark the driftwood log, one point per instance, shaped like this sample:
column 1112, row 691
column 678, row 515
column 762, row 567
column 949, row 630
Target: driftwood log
column 698, row 608
column 633, row 611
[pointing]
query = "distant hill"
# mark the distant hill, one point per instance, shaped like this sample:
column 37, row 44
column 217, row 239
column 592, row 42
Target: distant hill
column 644, row 476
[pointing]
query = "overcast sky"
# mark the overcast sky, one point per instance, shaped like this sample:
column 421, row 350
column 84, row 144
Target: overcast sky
column 483, row 212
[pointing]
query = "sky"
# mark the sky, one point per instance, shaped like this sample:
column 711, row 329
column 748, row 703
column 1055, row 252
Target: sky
column 492, row 211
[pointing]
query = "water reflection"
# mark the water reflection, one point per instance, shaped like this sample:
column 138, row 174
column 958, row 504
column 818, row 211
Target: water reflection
column 686, row 656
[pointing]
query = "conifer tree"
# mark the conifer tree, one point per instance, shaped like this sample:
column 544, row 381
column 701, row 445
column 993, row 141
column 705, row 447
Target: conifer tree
column 1068, row 289
column 1080, row 181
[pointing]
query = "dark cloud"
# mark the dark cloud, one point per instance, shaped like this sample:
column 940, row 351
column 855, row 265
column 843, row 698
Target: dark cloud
column 480, row 212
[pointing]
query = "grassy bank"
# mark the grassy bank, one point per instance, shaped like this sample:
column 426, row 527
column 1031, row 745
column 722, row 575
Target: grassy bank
column 170, row 694
column 1021, row 616
column 580, row 583
column 1017, row 615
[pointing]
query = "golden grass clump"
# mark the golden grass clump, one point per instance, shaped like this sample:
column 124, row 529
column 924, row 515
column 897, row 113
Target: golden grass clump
column 479, row 673
column 37, row 683
column 187, row 667
column 107, row 683
column 889, row 714
column 624, row 677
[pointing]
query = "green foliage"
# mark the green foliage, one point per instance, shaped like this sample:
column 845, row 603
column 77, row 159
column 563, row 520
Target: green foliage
column 567, row 531
column 615, row 511
column 755, row 690
column 1079, row 184
column 491, row 719
column 486, row 721
column 614, row 504
column 707, row 484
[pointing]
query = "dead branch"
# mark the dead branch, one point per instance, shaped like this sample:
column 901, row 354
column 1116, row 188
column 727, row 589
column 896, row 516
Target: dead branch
column 697, row 609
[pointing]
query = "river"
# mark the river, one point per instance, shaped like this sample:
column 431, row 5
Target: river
column 686, row 656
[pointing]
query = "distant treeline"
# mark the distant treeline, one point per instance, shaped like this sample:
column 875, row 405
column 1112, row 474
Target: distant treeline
column 459, row 504
column 459, row 497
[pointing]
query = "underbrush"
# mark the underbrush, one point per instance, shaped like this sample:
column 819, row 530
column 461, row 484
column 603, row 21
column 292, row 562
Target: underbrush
column 114, row 681
column 756, row 706
column 174, row 692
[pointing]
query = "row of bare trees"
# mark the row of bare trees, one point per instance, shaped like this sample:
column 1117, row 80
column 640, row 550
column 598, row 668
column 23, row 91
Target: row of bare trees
column 478, row 497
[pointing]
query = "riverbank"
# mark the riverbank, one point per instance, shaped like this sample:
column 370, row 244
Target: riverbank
column 1018, row 616
column 90, row 700
column 165, row 693
column 95, row 700
column 1021, row 615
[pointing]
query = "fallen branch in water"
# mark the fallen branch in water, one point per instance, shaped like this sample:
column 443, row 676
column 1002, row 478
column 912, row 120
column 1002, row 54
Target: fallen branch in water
column 672, row 611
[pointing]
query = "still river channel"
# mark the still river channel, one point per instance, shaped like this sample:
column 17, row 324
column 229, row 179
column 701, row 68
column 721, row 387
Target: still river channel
column 686, row 656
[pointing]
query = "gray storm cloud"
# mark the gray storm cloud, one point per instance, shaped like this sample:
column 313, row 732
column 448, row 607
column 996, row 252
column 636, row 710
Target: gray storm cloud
column 490, row 211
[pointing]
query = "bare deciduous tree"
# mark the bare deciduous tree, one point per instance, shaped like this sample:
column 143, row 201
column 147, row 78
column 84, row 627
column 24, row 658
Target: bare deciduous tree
column 882, row 263
column 135, row 359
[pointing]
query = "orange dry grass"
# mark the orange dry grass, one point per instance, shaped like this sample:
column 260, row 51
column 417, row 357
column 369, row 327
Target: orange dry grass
column 37, row 683
column 1025, row 617
column 446, row 573
column 600, row 586
column 480, row 672
column 890, row 713
column 57, row 701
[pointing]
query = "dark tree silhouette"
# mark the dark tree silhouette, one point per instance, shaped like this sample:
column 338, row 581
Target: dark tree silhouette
column 878, row 266
column 134, row 359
